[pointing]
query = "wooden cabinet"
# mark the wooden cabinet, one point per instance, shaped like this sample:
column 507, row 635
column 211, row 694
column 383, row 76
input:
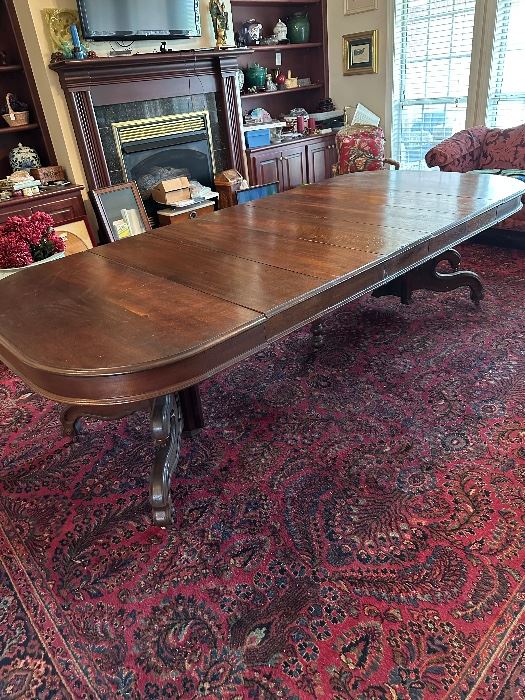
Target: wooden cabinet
column 298, row 163
column 294, row 171
column 266, row 167
column 309, row 60
column 64, row 205
column 322, row 156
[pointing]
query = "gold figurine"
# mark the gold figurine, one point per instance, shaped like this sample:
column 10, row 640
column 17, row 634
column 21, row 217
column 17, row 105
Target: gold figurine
column 220, row 22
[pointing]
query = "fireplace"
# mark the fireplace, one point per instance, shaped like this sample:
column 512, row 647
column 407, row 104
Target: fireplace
column 159, row 148
column 101, row 92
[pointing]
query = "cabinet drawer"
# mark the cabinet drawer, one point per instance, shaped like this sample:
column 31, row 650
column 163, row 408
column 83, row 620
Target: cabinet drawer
column 62, row 210
column 5, row 214
column 184, row 217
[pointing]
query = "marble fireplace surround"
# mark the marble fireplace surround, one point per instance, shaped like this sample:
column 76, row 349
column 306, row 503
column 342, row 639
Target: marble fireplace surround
column 109, row 116
column 200, row 75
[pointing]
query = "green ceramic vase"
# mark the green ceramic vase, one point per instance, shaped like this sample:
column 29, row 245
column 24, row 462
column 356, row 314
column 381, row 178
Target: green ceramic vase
column 298, row 28
column 255, row 76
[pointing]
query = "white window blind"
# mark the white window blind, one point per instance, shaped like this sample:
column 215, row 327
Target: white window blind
column 506, row 98
column 433, row 45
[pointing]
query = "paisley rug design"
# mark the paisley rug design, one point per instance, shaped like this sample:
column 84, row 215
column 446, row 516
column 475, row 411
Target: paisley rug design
column 350, row 525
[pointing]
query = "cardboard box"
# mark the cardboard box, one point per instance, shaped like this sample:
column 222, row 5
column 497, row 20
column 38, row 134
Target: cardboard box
column 170, row 191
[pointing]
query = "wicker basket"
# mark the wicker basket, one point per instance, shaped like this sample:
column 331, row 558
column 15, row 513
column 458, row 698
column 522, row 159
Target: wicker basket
column 14, row 118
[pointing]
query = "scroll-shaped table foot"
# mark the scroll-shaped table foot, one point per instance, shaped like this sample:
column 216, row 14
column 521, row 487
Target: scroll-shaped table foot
column 71, row 415
column 166, row 429
column 317, row 333
column 70, row 419
column 426, row 276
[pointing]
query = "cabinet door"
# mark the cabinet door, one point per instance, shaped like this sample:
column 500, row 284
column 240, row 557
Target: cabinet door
column 321, row 157
column 266, row 167
column 317, row 162
column 293, row 166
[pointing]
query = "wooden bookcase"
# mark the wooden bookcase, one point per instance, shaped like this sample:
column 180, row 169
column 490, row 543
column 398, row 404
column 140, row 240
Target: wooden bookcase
column 305, row 60
column 305, row 160
column 17, row 77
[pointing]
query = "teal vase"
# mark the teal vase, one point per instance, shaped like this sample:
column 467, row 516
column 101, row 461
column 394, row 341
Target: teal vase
column 255, row 76
column 298, row 28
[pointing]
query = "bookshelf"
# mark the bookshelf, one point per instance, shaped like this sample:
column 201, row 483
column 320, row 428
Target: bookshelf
column 17, row 77
column 304, row 60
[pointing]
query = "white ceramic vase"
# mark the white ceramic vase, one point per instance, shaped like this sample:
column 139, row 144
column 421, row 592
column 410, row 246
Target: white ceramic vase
column 5, row 272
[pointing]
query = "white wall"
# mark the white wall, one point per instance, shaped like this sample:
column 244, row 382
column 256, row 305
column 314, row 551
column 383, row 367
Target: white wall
column 372, row 90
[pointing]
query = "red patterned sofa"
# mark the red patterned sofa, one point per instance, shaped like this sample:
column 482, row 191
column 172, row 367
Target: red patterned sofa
column 480, row 148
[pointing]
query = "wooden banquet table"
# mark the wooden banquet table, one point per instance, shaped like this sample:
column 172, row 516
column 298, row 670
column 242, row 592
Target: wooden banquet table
column 139, row 323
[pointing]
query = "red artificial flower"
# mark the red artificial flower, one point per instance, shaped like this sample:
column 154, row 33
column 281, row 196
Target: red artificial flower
column 22, row 228
column 42, row 221
column 14, row 252
column 26, row 240
column 57, row 241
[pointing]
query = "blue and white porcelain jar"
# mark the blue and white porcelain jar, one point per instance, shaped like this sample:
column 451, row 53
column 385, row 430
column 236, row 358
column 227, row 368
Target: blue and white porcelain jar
column 23, row 158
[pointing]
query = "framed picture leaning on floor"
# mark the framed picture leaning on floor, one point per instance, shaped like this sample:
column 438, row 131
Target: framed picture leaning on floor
column 120, row 211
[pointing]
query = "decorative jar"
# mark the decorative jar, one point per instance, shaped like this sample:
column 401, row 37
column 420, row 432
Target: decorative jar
column 280, row 80
column 250, row 33
column 255, row 76
column 280, row 31
column 23, row 158
column 299, row 28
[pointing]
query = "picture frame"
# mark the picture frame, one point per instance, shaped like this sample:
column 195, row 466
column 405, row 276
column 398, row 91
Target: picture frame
column 354, row 7
column 120, row 211
column 360, row 53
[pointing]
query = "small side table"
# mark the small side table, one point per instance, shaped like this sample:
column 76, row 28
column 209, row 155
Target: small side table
column 179, row 216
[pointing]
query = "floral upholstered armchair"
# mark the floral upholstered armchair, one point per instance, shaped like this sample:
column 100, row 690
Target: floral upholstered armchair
column 482, row 148
column 361, row 147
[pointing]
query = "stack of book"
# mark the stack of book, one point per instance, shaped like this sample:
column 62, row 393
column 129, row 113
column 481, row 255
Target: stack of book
column 18, row 182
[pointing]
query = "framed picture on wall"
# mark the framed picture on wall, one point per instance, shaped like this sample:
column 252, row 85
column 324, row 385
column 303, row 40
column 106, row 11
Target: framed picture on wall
column 353, row 7
column 360, row 53
column 120, row 211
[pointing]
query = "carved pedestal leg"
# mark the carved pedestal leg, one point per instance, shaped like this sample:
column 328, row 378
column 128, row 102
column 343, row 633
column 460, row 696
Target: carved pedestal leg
column 190, row 401
column 426, row 276
column 317, row 333
column 166, row 429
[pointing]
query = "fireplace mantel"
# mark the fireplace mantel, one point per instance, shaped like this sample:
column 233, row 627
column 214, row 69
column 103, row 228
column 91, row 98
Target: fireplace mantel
column 100, row 81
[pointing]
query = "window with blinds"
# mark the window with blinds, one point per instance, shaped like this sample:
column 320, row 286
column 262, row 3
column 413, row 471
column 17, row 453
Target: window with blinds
column 506, row 97
column 433, row 46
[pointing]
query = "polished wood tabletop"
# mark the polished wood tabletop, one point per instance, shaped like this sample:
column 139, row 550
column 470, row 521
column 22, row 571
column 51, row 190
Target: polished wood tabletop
column 140, row 322
column 155, row 313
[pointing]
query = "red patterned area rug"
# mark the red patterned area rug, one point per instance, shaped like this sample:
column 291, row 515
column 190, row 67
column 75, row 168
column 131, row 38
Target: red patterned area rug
column 350, row 525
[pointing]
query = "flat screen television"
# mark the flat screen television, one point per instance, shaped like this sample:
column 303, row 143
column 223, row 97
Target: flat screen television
column 139, row 19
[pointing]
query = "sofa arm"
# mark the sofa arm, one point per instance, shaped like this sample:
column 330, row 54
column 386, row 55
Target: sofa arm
column 459, row 153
